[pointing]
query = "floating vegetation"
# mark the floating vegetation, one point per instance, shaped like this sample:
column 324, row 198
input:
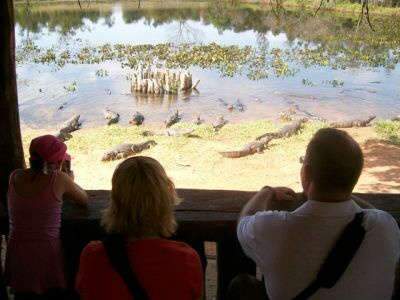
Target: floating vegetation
column 254, row 62
column 334, row 82
column 161, row 81
column 307, row 82
column 71, row 87
column 102, row 73
column 228, row 60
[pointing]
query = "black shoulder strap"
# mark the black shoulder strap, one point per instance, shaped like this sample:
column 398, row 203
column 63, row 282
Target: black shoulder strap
column 338, row 258
column 117, row 254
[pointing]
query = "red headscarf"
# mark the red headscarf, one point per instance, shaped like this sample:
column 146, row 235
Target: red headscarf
column 48, row 148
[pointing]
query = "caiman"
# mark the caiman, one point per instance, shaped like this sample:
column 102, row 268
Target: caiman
column 251, row 148
column 69, row 126
column 285, row 131
column 179, row 132
column 261, row 142
column 127, row 149
column 238, row 105
column 137, row 119
column 353, row 123
column 221, row 122
column 173, row 119
column 111, row 117
column 186, row 132
column 198, row 120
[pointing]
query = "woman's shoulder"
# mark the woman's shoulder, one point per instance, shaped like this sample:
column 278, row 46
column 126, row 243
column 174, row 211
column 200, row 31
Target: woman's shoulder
column 18, row 173
column 167, row 247
column 93, row 250
column 180, row 247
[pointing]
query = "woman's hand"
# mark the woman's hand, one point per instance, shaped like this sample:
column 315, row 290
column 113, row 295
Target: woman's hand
column 71, row 175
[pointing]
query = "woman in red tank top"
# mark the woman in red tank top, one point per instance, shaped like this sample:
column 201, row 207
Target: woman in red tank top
column 142, row 210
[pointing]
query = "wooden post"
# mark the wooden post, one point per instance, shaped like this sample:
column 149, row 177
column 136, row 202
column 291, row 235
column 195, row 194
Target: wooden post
column 11, row 151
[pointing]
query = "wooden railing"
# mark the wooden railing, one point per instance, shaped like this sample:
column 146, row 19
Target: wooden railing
column 203, row 215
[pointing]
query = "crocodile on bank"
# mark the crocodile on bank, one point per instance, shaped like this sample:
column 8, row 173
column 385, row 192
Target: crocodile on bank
column 257, row 146
column 173, row 119
column 397, row 118
column 353, row 123
column 285, row 131
column 127, row 149
column 221, row 122
column 137, row 119
column 111, row 116
column 198, row 120
column 69, row 126
column 295, row 109
column 186, row 132
column 261, row 142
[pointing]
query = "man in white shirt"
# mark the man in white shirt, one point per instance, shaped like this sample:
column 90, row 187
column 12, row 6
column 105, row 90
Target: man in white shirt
column 290, row 247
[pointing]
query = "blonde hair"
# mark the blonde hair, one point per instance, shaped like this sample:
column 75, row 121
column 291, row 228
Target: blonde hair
column 142, row 200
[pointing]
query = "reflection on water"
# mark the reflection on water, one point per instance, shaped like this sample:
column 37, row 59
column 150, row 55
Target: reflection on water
column 42, row 88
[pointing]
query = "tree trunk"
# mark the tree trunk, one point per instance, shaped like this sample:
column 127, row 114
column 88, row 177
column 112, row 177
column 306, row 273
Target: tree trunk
column 11, row 151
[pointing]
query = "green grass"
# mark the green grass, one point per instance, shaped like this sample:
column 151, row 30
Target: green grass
column 195, row 162
column 231, row 135
column 389, row 130
column 339, row 6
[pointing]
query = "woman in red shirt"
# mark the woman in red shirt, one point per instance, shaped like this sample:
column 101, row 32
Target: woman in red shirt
column 142, row 211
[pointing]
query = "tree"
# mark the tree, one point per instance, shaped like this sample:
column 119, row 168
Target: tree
column 11, row 151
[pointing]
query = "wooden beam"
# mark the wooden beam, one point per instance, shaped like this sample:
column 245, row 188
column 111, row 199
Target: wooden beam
column 207, row 215
column 11, row 151
column 204, row 215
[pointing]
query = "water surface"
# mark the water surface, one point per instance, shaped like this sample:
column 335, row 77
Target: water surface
column 46, row 100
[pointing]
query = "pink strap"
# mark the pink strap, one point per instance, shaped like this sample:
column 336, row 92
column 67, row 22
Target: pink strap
column 11, row 178
column 52, row 183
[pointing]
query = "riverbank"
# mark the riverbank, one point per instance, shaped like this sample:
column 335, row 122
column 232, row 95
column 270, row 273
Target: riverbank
column 331, row 6
column 194, row 162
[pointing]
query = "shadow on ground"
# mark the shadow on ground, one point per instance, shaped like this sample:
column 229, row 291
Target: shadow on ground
column 381, row 166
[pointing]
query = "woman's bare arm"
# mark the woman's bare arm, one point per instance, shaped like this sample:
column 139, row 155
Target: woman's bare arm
column 72, row 191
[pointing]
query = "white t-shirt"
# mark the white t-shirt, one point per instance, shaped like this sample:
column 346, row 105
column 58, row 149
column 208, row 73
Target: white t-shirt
column 289, row 248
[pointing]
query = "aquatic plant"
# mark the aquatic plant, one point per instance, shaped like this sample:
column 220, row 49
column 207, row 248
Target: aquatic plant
column 307, row 82
column 101, row 73
column 255, row 62
column 334, row 82
column 71, row 87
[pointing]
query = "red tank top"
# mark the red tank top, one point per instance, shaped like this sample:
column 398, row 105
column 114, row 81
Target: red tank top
column 166, row 270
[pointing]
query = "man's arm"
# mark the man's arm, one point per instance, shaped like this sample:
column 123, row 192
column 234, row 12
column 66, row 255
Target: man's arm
column 269, row 198
column 396, row 288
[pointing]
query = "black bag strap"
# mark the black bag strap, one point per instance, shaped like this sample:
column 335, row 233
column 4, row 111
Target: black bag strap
column 338, row 259
column 118, row 256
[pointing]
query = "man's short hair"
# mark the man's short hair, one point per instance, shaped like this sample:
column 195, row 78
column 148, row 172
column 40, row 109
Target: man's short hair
column 335, row 160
